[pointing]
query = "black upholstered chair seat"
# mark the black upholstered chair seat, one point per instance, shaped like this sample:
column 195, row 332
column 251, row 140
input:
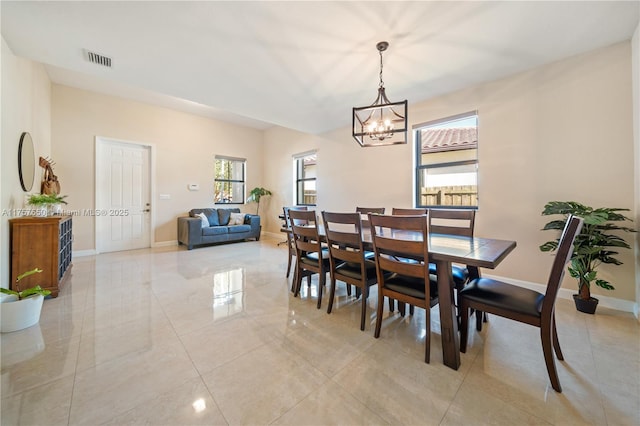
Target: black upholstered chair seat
column 412, row 286
column 352, row 270
column 504, row 296
column 460, row 274
column 312, row 258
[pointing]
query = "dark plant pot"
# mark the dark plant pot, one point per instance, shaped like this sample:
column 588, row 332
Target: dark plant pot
column 587, row 306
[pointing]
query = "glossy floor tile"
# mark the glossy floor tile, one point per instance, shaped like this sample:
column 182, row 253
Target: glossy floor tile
column 213, row 336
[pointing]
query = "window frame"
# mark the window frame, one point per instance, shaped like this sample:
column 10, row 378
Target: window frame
column 298, row 167
column 419, row 167
column 243, row 181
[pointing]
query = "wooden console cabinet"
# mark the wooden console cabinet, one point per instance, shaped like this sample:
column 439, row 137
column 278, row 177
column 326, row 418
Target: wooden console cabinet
column 44, row 243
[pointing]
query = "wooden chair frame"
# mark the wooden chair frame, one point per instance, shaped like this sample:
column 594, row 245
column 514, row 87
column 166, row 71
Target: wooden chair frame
column 364, row 212
column 310, row 256
column 457, row 222
column 290, row 243
column 399, row 211
column 393, row 269
column 482, row 293
column 347, row 257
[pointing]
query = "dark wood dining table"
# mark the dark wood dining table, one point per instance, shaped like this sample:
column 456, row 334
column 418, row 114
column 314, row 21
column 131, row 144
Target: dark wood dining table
column 443, row 251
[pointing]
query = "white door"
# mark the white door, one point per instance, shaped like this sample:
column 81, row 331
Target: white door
column 122, row 196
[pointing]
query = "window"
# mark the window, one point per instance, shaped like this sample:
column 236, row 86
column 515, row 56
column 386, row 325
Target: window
column 306, row 172
column 229, row 180
column 447, row 162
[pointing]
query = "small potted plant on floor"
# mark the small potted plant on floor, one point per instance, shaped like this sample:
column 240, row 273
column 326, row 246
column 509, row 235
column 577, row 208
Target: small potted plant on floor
column 595, row 244
column 21, row 308
column 256, row 194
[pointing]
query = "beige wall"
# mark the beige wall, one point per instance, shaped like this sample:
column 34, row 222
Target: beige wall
column 563, row 131
column 185, row 146
column 635, row 55
column 26, row 107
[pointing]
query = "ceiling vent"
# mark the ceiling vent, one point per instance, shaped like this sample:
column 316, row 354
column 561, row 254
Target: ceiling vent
column 99, row 59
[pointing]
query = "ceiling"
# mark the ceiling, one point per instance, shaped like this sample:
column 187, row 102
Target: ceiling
column 304, row 64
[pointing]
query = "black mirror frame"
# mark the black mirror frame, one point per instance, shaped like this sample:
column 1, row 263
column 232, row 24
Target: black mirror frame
column 21, row 146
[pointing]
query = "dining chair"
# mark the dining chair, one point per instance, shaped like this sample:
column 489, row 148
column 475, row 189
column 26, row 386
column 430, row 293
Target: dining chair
column 456, row 222
column 347, row 261
column 290, row 244
column 311, row 256
column 524, row 305
column 407, row 212
column 364, row 212
column 364, row 215
column 407, row 282
column 396, row 211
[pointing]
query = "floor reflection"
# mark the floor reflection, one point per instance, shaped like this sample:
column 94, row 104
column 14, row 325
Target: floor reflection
column 228, row 293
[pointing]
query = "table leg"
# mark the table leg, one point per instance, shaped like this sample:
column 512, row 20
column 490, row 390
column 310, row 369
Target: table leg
column 448, row 321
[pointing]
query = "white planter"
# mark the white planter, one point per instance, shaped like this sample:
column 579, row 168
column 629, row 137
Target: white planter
column 18, row 314
column 38, row 211
column 55, row 209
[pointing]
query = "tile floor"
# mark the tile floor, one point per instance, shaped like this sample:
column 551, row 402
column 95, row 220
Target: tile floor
column 213, row 336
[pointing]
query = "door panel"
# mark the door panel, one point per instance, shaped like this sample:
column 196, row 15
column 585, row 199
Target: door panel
column 122, row 196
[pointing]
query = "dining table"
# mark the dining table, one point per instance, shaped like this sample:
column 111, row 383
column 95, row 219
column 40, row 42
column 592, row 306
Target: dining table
column 444, row 249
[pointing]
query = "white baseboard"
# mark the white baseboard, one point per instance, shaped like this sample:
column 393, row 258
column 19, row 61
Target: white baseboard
column 165, row 243
column 565, row 293
column 81, row 253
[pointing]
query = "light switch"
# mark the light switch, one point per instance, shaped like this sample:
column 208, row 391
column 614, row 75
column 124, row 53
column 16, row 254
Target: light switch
column 165, row 196
column 193, row 187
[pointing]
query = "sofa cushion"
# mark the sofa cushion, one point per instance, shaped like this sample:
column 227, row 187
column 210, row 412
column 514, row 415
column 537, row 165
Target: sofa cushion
column 215, row 230
column 236, row 219
column 213, row 217
column 235, row 229
column 223, row 216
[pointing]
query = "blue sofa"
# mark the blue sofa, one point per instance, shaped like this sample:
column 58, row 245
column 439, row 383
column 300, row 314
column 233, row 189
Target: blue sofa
column 191, row 231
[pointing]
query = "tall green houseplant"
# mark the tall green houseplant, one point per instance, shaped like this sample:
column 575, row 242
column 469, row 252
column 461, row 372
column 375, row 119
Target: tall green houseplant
column 256, row 194
column 595, row 245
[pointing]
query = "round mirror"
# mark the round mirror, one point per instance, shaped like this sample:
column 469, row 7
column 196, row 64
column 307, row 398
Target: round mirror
column 26, row 161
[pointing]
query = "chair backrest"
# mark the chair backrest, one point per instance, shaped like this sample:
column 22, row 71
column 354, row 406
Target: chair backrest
column 407, row 212
column 563, row 255
column 452, row 221
column 367, row 210
column 396, row 239
column 285, row 211
column 344, row 236
column 364, row 212
column 305, row 232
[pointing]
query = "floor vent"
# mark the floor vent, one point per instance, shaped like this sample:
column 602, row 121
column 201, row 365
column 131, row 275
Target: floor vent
column 99, row 59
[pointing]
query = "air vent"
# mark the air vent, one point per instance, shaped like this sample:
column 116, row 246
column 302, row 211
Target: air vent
column 99, row 59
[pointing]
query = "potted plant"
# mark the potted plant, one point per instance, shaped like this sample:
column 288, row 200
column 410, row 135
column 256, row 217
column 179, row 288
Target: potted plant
column 21, row 308
column 47, row 202
column 595, row 244
column 256, row 194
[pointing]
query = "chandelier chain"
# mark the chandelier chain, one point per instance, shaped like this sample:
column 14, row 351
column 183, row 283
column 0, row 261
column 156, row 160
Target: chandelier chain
column 381, row 82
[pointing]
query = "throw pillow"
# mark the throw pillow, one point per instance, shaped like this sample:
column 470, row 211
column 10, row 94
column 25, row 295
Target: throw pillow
column 236, row 219
column 204, row 222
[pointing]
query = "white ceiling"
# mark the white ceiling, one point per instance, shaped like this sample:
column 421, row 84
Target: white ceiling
column 304, row 64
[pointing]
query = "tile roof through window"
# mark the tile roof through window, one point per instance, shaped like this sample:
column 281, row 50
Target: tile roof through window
column 449, row 139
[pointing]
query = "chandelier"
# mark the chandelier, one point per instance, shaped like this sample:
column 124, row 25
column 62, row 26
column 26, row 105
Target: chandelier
column 383, row 122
